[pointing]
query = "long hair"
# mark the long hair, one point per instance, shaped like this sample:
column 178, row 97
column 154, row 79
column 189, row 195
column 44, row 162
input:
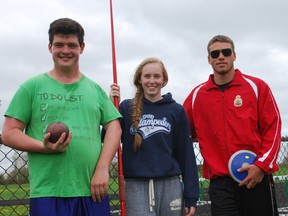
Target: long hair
column 138, row 99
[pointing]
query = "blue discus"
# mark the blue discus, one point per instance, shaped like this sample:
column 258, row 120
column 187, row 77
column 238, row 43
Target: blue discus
column 239, row 159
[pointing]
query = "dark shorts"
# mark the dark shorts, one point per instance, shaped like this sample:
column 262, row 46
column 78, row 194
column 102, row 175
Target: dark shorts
column 228, row 199
column 76, row 206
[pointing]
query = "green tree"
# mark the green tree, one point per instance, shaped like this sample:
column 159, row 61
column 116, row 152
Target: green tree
column 20, row 172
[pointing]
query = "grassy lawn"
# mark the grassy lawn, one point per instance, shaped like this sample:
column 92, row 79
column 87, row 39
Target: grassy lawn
column 15, row 191
column 18, row 192
column 283, row 170
column 22, row 210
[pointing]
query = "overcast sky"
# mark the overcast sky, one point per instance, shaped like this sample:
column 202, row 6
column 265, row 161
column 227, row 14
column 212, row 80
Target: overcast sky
column 177, row 32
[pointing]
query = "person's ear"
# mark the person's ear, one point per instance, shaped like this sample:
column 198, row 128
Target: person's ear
column 82, row 48
column 50, row 47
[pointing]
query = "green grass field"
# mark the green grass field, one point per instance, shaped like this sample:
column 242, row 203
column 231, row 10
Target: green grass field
column 18, row 192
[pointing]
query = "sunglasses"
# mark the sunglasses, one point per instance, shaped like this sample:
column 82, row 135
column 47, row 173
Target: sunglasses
column 226, row 52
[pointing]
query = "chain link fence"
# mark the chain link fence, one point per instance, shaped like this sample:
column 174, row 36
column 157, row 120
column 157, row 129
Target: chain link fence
column 14, row 185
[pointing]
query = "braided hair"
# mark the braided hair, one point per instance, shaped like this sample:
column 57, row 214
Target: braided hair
column 138, row 99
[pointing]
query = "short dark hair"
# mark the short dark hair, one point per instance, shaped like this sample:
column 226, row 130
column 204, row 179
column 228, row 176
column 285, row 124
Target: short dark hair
column 66, row 26
column 221, row 39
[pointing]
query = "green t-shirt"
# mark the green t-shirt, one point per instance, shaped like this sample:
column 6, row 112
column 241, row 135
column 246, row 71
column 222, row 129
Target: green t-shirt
column 83, row 106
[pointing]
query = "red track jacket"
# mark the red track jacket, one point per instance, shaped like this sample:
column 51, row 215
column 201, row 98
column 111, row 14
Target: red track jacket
column 244, row 116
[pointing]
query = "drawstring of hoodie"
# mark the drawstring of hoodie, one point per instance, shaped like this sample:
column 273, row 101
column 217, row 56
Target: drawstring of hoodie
column 151, row 195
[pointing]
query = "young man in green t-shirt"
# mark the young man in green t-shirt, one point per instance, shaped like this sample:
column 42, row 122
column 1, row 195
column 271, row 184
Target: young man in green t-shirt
column 69, row 177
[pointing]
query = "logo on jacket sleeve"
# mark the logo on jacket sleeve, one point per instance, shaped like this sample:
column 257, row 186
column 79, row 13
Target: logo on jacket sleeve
column 149, row 126
column 238, row 101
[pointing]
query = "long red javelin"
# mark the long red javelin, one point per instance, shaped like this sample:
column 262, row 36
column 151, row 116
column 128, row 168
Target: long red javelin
column 116, row 103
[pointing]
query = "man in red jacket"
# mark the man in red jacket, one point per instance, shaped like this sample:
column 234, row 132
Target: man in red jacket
column 230, row 112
